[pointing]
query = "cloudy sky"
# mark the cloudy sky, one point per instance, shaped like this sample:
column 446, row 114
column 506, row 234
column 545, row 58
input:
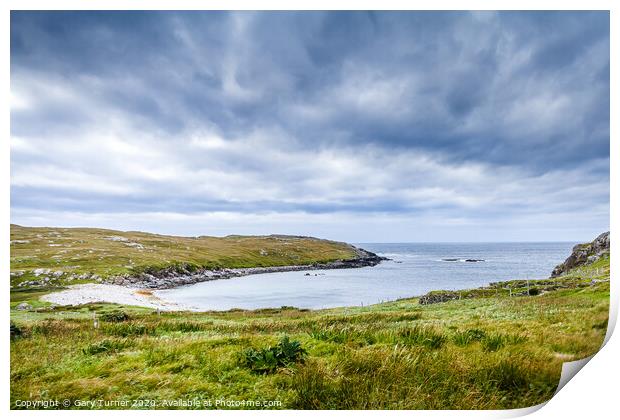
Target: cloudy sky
column 363, row 127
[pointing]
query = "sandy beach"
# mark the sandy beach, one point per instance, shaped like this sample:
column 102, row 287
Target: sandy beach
column 90, row 293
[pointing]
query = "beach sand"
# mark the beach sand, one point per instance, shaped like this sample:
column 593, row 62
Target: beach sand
column 90, row 293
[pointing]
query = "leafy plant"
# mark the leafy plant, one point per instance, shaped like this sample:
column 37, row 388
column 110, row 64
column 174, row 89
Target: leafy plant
column 269, row 359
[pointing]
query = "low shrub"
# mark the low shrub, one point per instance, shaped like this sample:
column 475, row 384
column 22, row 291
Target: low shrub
column 16, row 331
column 114, row 316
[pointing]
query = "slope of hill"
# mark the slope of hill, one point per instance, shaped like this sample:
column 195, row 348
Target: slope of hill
column 61, row 256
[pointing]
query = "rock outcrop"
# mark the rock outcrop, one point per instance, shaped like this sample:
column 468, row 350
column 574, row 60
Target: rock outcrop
column 584, row 254
column 438, row 297
column 23, row 306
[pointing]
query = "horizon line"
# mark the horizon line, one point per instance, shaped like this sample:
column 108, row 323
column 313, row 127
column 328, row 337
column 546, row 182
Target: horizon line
column 576, row 241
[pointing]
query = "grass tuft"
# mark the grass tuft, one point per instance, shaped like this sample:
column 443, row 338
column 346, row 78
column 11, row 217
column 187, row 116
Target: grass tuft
column 420, row 336
column 128, row 329
column 493, row 342
column 105, row 346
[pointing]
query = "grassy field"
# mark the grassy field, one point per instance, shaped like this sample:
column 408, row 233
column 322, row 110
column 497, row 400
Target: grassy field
column 65, row 256
column 483, row 351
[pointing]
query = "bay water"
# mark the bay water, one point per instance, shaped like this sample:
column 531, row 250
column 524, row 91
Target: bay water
column 414, row 269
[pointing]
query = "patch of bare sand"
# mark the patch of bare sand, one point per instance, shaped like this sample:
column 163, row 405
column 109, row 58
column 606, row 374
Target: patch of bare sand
column 91, row 293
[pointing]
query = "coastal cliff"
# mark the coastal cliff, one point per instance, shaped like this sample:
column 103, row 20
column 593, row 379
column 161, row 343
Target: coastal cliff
column 584, row 254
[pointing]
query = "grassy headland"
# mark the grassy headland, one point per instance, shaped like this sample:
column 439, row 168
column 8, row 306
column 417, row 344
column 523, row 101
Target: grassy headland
column 61, row 256
column 495, row 347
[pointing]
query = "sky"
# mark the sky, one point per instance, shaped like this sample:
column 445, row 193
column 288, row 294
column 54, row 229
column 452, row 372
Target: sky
column 354, row 126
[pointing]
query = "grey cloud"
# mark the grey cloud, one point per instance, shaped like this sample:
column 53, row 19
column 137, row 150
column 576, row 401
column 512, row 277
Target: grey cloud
column 121, row 100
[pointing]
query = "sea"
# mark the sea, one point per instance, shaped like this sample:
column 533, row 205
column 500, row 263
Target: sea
column 413, row 270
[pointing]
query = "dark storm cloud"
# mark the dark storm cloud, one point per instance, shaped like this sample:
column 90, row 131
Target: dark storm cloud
column 302, row 58
column 358, row 112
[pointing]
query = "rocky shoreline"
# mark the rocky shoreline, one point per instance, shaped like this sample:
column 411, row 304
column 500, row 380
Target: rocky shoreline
column 584, row 254
column 174, row 277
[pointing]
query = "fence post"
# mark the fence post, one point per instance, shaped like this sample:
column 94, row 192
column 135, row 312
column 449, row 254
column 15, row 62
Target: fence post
column 528, row 286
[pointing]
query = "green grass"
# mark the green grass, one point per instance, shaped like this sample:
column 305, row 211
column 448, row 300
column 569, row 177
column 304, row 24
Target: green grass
column 478, row 353
column 580, row 277
column 105, row 346
column 496, row 347
column 85, row 255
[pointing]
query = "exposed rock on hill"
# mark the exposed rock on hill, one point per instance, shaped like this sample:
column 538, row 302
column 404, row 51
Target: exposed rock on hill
column 584, row 254
column 438, row 297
